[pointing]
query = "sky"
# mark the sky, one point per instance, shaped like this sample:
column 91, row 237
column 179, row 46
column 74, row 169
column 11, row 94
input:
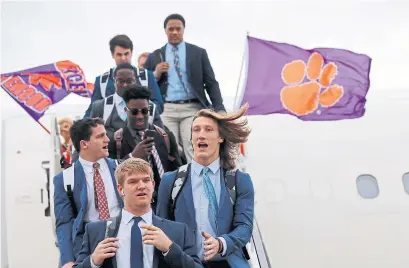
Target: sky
column 37, row 33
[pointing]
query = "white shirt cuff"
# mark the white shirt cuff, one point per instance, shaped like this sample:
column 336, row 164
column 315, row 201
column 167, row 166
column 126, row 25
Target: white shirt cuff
column 166, row 253
column 224, row 246
column 92, row 263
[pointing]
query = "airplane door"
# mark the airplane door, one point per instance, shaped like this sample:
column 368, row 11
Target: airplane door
column 26, row 197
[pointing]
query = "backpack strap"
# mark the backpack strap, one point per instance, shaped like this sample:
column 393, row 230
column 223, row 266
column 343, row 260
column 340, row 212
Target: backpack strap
column 230, row 181
column 118, row 135
column 165, row 135
column 112, row 226
column 68, row 177
column 103, row 82
column 152, row 111
column 178, row 183
column 108, row 107
column 142, row 76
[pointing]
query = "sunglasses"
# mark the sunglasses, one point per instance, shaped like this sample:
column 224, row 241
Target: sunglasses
column 136, row 111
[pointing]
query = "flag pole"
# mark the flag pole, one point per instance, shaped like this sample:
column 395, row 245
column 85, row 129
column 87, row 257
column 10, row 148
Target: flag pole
column 241, row 70
column 46, row 129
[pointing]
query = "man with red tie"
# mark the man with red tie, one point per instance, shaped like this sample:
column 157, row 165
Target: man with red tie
column 86, row 191
column 138, row 138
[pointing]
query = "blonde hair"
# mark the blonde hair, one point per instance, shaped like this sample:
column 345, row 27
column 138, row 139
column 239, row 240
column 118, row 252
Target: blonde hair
column 65, row 120
column 233, row 132
column 132, row 165
column 144, row 54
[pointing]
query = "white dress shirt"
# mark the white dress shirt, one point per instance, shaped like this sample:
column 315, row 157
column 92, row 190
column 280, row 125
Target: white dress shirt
column 123, row 254
column 92, row 213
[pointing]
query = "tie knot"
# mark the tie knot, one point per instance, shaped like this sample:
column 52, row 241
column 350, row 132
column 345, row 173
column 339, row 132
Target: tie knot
column 136, row 220
column 95, row 165
column 174, row 49
column 205, row 170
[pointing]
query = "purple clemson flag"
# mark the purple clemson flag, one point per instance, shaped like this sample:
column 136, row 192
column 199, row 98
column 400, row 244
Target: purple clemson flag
column 36, row 89
column 317, row 84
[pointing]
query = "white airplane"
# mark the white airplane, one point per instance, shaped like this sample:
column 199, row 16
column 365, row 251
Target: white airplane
column 328, row 194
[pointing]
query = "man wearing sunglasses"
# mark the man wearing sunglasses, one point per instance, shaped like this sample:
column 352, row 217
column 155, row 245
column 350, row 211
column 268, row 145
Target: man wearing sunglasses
column 138, row 138
column 112, row 108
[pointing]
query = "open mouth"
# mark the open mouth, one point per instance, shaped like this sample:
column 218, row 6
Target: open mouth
column 105, row 147
column 141, row 195
column 202, row 145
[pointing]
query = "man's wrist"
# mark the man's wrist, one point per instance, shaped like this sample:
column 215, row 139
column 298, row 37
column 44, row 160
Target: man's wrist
column 223, row 250
column 167, row 251
column 220, row 245
column 93, row 265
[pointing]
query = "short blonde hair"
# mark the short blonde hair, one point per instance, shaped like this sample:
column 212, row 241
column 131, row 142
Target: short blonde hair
column 65, row 120
column 144, row 54
column 132, row 165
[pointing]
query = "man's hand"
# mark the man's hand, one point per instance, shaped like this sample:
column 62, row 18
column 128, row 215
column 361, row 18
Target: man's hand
column 161, row 68
column 155, row 236
column 211, row 246
column 143, row 149
column 68, row 265
column 105, row 249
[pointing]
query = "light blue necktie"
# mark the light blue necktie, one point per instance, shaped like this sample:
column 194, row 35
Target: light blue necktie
column 211, row 195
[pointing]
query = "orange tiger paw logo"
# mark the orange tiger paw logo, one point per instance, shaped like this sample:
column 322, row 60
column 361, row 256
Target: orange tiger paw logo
column 303, row 98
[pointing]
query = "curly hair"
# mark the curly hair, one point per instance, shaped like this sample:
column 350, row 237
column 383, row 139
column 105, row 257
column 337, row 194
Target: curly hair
column 232, row 130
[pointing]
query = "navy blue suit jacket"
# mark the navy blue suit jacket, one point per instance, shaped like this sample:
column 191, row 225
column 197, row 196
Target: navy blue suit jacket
column 181, row 254
column 235, row 224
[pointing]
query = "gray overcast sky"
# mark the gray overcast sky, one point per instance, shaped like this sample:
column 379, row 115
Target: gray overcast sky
column 39, row 33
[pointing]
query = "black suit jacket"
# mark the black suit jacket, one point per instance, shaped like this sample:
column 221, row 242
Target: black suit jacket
column 199, row 72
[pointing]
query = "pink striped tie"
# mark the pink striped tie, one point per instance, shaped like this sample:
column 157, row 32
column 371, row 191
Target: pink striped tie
column 156, row 157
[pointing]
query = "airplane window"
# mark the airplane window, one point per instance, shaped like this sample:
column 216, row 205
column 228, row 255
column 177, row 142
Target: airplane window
column 367, row 186
column 405, row 181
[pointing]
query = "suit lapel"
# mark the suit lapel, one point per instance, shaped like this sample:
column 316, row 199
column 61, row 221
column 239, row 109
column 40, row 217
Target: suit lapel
column 111, row 263
column 223, row 191
column 127, row 136
column 163, row 52
column 187, row 194
column 158, row 222
column 80, row 183
column 189, row 59
column 225, row 202
column 114, row 183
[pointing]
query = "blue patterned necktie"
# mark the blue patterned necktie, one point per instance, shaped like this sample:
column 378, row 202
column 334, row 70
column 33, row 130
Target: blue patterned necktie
column 211, row 195
column 176, row 62
column 136, row 244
